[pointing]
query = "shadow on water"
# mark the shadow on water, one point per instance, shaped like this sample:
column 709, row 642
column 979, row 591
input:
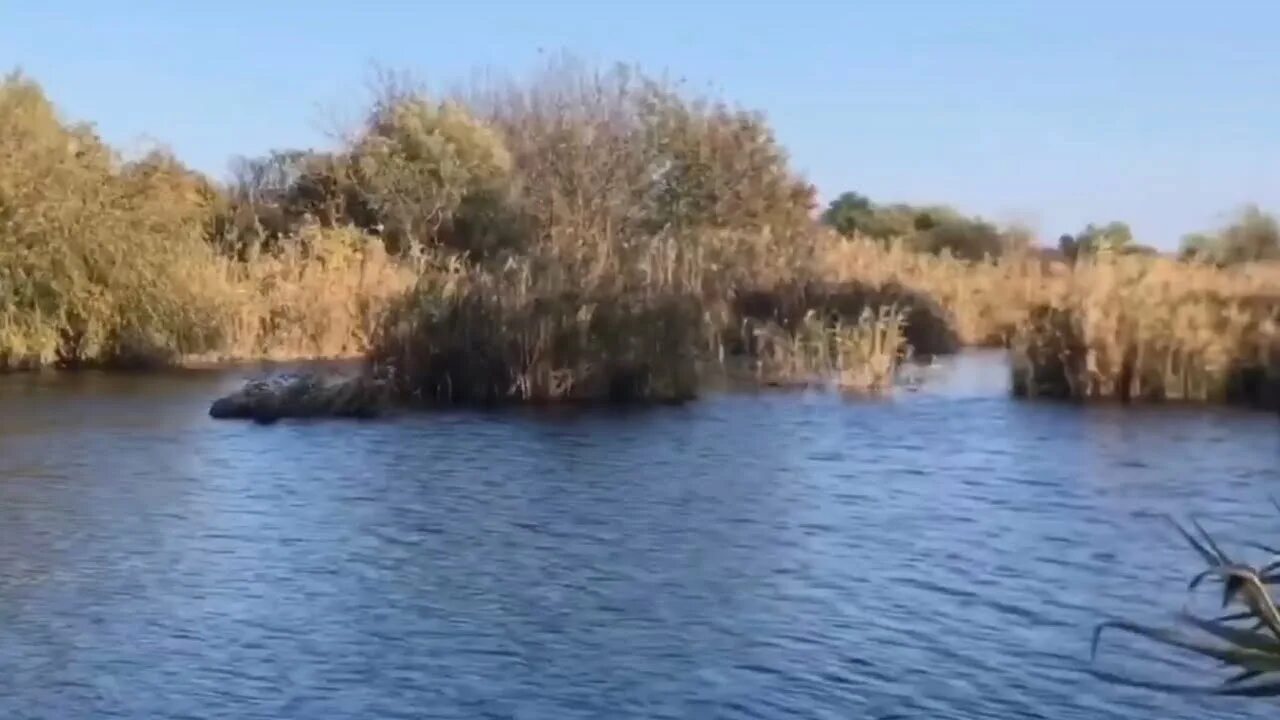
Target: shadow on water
column 940, row 553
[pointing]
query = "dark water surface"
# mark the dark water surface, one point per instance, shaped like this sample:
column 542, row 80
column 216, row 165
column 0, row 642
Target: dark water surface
column 944, row 554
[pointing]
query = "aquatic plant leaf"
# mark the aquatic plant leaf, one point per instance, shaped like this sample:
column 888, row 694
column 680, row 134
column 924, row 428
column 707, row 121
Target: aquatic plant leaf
column 1240, row 638
column 1242, row 676
column 1162, row 635
column 1234, row 617
column 1245, row 658
column 1222, row 557
column 1209, row 558
column 1268, row 690
column 1225, row 690
column 1263, row 548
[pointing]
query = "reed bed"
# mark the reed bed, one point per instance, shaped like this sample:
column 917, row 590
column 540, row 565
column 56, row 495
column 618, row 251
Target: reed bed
column 862, row 356
column 984, row 301
column 1128, row 328
column 321, row 295
column 1154, row 330
column 475, row 336
column 580, row 235
column 641, row 216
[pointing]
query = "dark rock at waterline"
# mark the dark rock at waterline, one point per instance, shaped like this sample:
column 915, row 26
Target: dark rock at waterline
column 304, row 396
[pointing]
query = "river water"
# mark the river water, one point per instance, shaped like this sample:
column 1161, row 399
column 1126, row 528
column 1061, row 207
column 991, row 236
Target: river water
column 942, row 554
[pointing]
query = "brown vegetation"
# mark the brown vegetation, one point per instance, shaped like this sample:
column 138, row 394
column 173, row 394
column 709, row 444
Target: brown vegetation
column 1154, row 329
column 106, row 262
column 583, row 236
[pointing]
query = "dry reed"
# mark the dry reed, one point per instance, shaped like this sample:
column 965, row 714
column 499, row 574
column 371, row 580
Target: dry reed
column 1154, row 329
column 596, row 236
column 1110, row 327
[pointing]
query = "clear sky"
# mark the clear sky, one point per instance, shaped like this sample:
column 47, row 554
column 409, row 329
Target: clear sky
column 1165, row 114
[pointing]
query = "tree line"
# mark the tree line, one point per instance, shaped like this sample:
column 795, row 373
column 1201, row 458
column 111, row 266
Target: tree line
column 1251, row 235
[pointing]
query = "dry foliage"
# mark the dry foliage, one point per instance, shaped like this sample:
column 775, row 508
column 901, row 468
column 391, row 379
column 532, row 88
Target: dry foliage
column 105, row 262
column 1125, row 327
column 633, row 219
column 1155, row 329
column 583, row 235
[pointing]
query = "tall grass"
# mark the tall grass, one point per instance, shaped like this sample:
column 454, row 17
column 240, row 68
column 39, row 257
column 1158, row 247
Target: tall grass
column 1111, row 327
column 1154, row 329
column 579, row 235
column 860, row 356
column 321, row 294
column 985, row 301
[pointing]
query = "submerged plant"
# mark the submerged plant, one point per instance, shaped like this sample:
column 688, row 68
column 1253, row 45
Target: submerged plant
column 1247, row 641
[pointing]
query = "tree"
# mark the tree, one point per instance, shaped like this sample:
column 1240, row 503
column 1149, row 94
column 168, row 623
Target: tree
column 968, row 239
column 848, row 214
column 417, row 161
column 1254, row 235
column 1114, row 237
column 1198, row 247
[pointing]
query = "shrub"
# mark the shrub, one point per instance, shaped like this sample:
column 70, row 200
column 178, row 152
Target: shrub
column 105, row 262
column 100, row 261
column 417, row 161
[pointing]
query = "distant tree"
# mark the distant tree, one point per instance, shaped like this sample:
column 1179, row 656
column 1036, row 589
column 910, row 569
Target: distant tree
column 1114, row 237
column 969, row 239
column 1016, row 238
column 1197, row 247
column 924, row 222
column 1067, row 245
column 932, row 228
column 849, row 214
column 1254, row 235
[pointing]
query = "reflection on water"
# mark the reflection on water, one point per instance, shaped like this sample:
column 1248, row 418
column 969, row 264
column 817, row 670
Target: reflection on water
column 942, row 554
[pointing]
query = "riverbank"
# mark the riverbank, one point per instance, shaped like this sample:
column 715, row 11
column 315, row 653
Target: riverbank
column 595, row 238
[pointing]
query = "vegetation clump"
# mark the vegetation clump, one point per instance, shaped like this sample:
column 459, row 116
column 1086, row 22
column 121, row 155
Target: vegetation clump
column 634, row 217
column 1155, row 330
column 106, row 262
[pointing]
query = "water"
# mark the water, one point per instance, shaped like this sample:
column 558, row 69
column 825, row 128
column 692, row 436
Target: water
column 944, row 554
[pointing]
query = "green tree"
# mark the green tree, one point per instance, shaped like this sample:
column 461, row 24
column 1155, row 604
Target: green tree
column 965, row 238
column 417, row 161
column 1252, row 236
column 1198, row 247
column 849, row 214
column 1114, row 237
column 100, row 259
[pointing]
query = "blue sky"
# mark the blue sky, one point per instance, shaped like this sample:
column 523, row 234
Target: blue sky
column 1165, row 114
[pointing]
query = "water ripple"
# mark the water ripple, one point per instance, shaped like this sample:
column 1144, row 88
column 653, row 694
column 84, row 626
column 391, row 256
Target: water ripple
column 944, row 554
